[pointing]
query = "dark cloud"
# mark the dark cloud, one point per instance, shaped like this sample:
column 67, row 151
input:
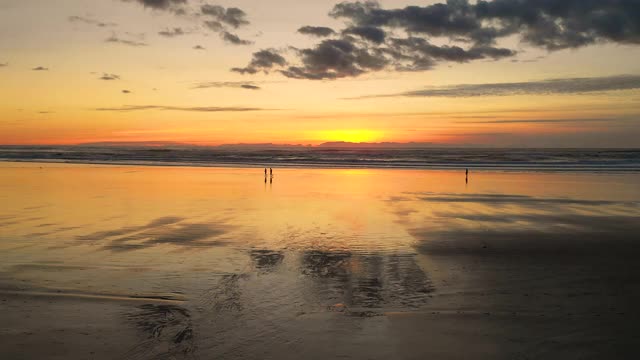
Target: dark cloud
column 549, row 24
column 370, row 33
column 227, row 84
column 232, row 16
column 174, row 5
column 319, row 31
column 40, row 68
column 416, row 48
column 215, row 26
column 117, row 40
column 219, row 19
column 106, row 76
column 199, row 47
column 4, row 64
column 181, row 108
column 471, row 32
column 543, row 87
column 234, row 39
column 85, row 20
column 172, row 32
column 336, row 58
column 263, row 60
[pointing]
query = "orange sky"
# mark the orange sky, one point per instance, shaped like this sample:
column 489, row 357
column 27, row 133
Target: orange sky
column 91, row 71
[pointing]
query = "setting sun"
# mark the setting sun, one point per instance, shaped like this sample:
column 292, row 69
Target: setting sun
column 350, row 135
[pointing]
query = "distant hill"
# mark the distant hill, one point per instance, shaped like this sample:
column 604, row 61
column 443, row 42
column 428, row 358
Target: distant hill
column 383, row 145
column 137, row 144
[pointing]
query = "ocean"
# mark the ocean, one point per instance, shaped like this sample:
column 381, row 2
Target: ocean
column 591, row 160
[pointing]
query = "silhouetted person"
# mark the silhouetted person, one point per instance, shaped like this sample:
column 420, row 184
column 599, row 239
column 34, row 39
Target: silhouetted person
column 466, row 176
column 466, row 173
column 265, row 173
column 271, row 172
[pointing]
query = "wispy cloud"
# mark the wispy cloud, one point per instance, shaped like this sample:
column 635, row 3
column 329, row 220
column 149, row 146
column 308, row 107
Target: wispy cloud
column 4, row 64
column 89, row 21
column 115, row 39
column 106, row 76
column 227, row 84
column 199, row 47
column 40, row 68
column 544, row 87
column 173, row 32
column 182, row 108
column 541, row 121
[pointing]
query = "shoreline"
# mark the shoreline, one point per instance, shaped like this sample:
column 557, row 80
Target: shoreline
column 526, row 168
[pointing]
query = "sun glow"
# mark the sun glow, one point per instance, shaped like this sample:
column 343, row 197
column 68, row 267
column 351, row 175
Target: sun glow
column 350, row 135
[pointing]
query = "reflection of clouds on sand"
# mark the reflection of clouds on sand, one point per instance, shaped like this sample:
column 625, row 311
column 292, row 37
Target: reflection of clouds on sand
column 384, row 281
column 167, row 332
column 506, row 199
column 165, row 230
column 266, row 260
column 268, row 308
column 517, row 224
column 99, row 235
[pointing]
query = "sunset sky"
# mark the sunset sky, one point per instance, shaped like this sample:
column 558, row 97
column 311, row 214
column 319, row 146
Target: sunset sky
column 499, row 73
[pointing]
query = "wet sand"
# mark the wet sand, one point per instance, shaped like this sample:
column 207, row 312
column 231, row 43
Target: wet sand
column 143, row 263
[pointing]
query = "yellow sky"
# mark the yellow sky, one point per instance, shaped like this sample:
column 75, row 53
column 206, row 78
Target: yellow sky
column 69, row 103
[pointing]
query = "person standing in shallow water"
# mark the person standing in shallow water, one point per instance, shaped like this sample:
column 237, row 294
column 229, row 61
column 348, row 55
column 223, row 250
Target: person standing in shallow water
column 265, row 172
column 270, row 172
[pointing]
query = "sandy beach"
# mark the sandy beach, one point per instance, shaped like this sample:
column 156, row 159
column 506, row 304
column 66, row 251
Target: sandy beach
column 134, row 262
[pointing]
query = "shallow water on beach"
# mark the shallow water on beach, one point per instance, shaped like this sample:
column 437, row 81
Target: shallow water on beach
column 223, row 262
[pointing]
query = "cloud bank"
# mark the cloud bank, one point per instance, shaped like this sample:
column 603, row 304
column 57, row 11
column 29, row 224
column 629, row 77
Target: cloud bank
column 412, row 38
